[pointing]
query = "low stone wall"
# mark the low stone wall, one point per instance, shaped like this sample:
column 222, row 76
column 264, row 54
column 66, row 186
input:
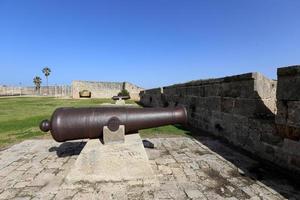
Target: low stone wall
column 242, row 109
column 61, row 90
column 105, row 89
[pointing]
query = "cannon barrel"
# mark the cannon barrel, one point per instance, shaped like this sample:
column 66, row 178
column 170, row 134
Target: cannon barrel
column 80, row 123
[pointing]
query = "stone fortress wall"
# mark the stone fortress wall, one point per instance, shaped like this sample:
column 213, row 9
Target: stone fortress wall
column 105, row 89
column 250, row 111
column 97, row 89
column 61, row 90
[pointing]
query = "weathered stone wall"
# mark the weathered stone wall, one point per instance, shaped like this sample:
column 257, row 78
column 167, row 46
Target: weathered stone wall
column 288, row 115
column 105, row 89
column 98, row 89
column 61, row 90
column 288, row 102
column 242, row 110
column 133, row 90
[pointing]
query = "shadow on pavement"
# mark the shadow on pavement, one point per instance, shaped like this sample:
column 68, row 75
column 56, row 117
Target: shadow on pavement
column 68, row 149
column 251, row 167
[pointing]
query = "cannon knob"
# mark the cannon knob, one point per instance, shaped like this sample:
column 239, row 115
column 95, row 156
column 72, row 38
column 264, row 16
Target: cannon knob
column 45, row 125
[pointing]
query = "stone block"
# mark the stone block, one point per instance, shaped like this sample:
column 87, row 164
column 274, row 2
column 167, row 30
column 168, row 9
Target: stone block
column 288, row 71
column 253, row 143
column 294, row 161
column 261, row 126
column 145, row 100
column 271, row 138
column 201, row 102
column 242, row 89
column 240, row 106
column 120, row 102
column 127, row 161
column 288, row 132
column 246, row 107
column 288, row 88
column 240, row 77
column 239, row 134
column 226, row 124
column 293, row 118
column 190, row 100
column 200, row 91
column 117, row 136
column 227, row 104
column 155, row 100
column 212, row 90
column 213, row 103
column 204, row 114
column 155, row 91
column 270, row 151
column 282, row 109
column 291, row 147
column 192, row 91
column 173, row 100
column 169, row 90
column 181, row 91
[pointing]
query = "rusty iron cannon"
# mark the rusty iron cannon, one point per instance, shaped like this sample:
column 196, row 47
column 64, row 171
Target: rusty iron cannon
column 81, row 123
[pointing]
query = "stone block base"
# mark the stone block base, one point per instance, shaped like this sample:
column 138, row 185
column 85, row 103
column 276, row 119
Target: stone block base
column 126, row 161
column 120, row 102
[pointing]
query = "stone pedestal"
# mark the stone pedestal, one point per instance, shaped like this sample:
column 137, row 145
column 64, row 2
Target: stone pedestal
column 120, row 102
column 115, row 162
column 117, row 136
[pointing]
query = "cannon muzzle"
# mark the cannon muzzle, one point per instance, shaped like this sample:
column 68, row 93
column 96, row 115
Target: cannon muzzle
column 81, row 123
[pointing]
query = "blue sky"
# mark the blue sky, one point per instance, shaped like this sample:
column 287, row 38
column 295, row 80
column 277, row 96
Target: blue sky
column 147, row 42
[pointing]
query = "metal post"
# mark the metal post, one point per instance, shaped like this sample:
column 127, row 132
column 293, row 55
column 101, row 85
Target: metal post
column 20, row 88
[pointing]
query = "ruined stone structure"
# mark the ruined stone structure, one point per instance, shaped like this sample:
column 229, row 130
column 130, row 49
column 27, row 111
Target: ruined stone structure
column 105, row 89
column 259, row 115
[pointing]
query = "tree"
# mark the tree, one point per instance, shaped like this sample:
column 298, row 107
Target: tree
column 37, row 82
column 123, row 92
column 47, row 72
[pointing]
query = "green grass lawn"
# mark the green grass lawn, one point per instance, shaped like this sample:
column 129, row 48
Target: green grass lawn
column 20, row 117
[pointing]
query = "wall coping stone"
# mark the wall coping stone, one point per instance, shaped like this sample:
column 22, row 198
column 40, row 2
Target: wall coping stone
column 292, row 70
column 105, row 82
column 202, row 82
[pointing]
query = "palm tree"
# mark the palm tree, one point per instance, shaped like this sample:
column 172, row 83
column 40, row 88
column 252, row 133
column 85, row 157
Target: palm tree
column 37, row 82
column 47, row 72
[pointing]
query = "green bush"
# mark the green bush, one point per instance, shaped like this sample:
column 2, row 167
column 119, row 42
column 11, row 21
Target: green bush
column 123, row 92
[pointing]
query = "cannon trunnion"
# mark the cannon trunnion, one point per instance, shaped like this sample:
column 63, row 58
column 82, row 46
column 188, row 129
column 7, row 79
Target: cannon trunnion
column 80, row 123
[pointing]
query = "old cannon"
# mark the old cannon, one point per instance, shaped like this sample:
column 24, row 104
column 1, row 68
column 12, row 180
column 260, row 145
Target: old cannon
column 120, row 97
column 80, row 123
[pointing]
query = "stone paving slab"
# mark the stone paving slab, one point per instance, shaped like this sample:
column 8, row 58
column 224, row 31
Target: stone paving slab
column 186, row 169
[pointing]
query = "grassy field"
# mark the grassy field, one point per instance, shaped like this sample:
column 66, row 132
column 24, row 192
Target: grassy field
column 20, row 117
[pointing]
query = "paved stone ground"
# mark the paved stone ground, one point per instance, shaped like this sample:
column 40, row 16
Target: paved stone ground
column 186, row 169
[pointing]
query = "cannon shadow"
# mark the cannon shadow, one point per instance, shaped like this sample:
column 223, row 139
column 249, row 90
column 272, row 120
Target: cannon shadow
column 67, row 149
